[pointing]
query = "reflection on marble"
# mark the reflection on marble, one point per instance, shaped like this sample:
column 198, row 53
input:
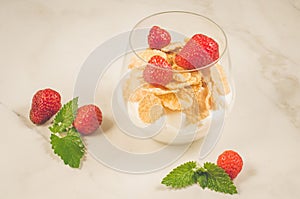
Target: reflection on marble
column 44, row 43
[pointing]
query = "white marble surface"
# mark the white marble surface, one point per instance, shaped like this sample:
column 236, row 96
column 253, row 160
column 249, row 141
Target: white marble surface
column 43, row 44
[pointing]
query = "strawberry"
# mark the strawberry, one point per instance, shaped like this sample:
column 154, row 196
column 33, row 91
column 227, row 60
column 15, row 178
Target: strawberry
column 158, row 38
column 45, row 104
column 88, row 119
column 158, row 72
column 231, row 162
column 199, row 51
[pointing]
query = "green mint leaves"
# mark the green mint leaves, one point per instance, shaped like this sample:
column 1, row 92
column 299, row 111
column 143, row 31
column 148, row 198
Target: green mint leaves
column 65, row 117
column 65, row 140
column 216, row 179
column 70, row 148
column 182, row 176
column 209, row 176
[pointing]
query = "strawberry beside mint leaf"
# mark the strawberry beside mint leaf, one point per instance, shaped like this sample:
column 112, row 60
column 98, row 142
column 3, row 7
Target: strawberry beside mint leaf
column 88, row 119
column 209, row 176
column 231, row 162
column 198, row 52
column 64, row 118
column 65, row 139
column 217, row 177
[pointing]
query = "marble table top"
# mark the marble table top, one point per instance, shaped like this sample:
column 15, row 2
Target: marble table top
column 44, row 43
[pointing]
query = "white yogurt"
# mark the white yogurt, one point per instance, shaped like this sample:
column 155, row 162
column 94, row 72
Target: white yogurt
column 175, row 129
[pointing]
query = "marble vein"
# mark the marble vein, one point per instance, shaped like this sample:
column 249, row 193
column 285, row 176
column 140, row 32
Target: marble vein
column 26, row 122
column 277, row 69
column 295, row 4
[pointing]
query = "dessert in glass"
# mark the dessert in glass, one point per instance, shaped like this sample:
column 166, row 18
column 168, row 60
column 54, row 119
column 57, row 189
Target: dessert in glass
column 177, row 76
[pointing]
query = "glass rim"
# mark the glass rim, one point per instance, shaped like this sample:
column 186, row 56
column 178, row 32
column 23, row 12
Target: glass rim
column 221, row 54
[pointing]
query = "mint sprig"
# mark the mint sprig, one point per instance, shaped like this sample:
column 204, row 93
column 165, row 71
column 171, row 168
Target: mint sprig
column 65, row 139
column 182, row 176
column 209, row 176
column 70, row 147
column 217, row 179
column 65, row 117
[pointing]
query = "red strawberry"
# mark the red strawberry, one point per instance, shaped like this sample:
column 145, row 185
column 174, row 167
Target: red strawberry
column 199, row 51
column 231, row 162
column 158, row 72
column 45, row 103
column 158, row 38
column 88, row 119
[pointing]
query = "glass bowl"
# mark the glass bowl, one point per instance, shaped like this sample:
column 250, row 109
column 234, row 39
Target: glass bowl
column 176, row 76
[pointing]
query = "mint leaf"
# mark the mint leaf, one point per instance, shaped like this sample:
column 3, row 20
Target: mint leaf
column 202, row 179
column 217, row 179
column 70, row 147
column 73, row 132
column 65, row 117
column 209, row 176
column 182, row 176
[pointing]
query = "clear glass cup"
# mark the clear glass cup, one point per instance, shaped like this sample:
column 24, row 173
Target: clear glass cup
column 178, row 106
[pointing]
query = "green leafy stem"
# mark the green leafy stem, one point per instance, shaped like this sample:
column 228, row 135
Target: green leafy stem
column 65, row 139
column 209, row 176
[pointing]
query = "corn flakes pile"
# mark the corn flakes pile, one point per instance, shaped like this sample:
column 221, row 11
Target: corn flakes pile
column 188, row 92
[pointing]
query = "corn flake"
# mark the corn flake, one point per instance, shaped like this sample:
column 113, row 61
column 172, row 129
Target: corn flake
column 177, row 101
column 138, row 95
column 196, row 78
column 157, row 90
column 173, row 47
column 170, row 101
column 181, row 76
column 201, row 107
column 150, row 108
